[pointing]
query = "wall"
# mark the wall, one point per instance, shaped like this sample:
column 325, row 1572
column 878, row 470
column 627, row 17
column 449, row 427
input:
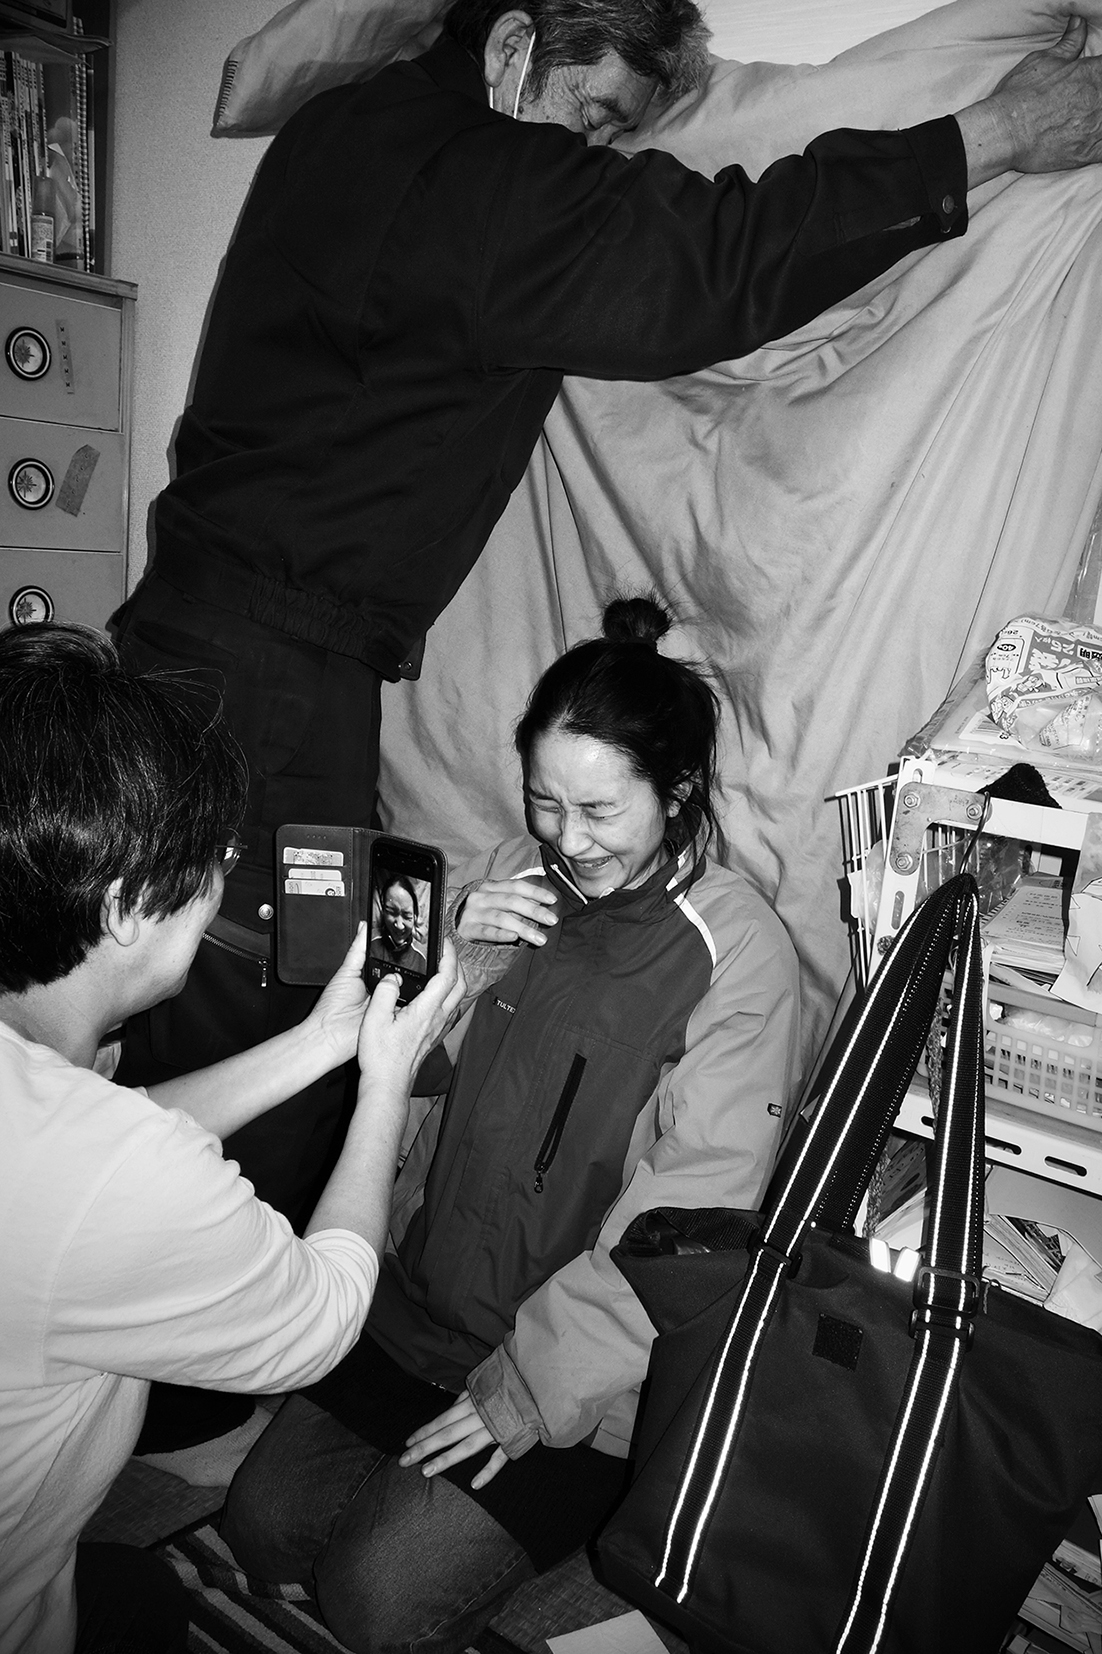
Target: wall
column 177, row 191
column 177, row 194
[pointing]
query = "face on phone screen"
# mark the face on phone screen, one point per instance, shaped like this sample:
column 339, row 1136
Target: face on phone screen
column 400, row 903
column 406, row 891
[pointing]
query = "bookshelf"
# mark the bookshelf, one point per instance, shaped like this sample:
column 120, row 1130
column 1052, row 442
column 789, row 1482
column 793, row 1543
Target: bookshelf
column 56, row 90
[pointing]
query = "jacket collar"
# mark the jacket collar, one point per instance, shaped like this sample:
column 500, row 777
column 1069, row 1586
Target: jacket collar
column 453, row 70
column 650, row 900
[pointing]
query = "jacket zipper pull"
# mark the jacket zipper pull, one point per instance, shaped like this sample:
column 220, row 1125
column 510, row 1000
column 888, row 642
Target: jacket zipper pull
column 549, row 1148
column 240, row 953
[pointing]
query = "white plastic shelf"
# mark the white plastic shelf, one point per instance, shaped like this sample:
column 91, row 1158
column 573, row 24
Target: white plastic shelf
column 1054, row 1149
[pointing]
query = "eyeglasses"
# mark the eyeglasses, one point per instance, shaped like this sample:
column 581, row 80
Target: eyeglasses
column 229, row 854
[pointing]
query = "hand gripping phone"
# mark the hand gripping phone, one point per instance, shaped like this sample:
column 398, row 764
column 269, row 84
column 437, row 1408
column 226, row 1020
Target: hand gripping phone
column 329, row 878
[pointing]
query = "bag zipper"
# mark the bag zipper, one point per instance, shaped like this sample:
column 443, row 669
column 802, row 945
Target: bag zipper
column 240, row 953
column 549, row 1148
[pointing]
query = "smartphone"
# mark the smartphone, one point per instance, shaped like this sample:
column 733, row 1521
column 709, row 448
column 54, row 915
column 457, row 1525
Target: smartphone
column 406, row 913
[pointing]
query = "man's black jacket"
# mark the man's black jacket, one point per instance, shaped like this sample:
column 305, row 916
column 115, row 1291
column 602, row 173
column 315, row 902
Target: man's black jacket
column 411, row 278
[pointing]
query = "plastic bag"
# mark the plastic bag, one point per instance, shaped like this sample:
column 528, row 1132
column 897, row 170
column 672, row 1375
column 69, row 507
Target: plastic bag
column 1044, row 686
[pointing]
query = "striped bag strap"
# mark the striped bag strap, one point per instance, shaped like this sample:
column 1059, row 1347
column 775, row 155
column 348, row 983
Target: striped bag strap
column 869, row 1068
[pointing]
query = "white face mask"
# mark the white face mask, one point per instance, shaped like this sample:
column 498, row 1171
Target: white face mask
column 523, row 73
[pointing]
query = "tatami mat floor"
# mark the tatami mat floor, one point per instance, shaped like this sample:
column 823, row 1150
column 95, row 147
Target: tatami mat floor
column 146, row 1502
column 144, row 1505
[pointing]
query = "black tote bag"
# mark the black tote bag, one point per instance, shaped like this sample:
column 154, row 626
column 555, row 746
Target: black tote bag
column 833, row 1459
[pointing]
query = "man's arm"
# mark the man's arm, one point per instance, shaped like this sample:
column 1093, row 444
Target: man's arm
column 173, row 1269
column 393, row 1043
column 227, row 1095
column 639, row 268
column 1044, row 116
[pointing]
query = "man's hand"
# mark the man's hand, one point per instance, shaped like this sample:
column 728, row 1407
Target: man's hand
column 1044, row 116
column 394, row 1039
column 508, row 910
column 455, row 1435
column 337, row 1016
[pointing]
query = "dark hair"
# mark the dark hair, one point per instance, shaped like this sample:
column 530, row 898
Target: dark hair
column 662, row 40
column 407, row 885
column 661, row 714
column 103, row 777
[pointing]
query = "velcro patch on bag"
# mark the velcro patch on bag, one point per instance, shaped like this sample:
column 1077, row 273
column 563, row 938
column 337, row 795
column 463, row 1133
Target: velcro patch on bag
column 838, row 1341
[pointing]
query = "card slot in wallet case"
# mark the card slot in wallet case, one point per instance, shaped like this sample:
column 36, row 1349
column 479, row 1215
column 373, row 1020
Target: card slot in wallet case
column 322, row 893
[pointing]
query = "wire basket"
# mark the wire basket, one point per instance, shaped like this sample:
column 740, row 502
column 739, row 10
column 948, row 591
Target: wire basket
column 864, row 817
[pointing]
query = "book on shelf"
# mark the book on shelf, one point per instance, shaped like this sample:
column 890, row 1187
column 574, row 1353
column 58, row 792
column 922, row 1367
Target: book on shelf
column 47, row 153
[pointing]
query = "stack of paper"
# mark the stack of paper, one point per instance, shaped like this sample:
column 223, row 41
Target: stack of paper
column 1027, row 932
column 1020, row 1255
column 1067, row 1607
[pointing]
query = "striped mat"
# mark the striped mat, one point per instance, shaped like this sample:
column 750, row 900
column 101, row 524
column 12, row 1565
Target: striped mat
column 233, row 1614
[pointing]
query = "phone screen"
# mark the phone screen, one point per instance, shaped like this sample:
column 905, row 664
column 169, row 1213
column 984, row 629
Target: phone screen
column 407, row 897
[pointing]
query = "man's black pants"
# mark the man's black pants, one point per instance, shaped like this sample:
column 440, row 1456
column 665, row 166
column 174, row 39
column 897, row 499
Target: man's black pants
column 308, row 722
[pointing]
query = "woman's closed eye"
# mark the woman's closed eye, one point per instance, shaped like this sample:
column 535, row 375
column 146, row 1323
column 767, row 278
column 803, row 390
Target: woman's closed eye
column 591, row 812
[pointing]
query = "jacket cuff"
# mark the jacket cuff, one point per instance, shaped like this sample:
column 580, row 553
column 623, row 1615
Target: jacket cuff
column 483, row 963
column 939, row 150
column 504, row 1403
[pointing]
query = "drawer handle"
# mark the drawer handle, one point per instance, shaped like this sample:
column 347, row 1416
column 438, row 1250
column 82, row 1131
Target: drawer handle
column 27, row 353
column 30, row 604
column 31, row 484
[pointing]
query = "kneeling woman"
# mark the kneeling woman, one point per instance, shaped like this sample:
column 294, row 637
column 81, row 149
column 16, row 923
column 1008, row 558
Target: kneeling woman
column 635, row 1050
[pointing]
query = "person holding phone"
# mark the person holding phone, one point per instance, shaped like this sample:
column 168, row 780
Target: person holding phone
column 634, row 1047
column 134, row 1249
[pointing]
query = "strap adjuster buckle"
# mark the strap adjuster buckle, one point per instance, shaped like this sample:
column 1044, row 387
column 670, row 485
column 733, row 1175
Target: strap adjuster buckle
column 790, row 1261
column 947, row 1300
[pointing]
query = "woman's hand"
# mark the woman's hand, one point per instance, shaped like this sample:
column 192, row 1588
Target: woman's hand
column 337, row 1016
column 395, row 1039
column 508, row 910
column 456, row 1435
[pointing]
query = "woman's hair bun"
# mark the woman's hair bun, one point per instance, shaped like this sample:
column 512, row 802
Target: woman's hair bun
column 636, row 620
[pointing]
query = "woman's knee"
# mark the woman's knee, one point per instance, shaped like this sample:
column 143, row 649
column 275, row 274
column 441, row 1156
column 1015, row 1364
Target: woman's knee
column 414, row 1566
column 289, row 1491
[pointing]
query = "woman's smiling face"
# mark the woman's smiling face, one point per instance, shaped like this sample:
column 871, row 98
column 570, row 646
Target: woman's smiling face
column 399, row 917
column 586, row 801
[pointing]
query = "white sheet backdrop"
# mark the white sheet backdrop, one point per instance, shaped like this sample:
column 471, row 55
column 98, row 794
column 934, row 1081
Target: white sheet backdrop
column 841, row 520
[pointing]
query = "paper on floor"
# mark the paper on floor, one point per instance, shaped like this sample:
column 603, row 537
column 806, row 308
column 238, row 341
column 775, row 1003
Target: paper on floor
column 626, row 1634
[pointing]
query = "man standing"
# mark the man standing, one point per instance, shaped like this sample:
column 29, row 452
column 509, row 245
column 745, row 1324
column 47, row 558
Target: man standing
column 421, row 259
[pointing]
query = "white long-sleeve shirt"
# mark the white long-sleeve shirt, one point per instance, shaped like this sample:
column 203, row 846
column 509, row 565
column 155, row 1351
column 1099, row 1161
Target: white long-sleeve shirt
column 129, row 1250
